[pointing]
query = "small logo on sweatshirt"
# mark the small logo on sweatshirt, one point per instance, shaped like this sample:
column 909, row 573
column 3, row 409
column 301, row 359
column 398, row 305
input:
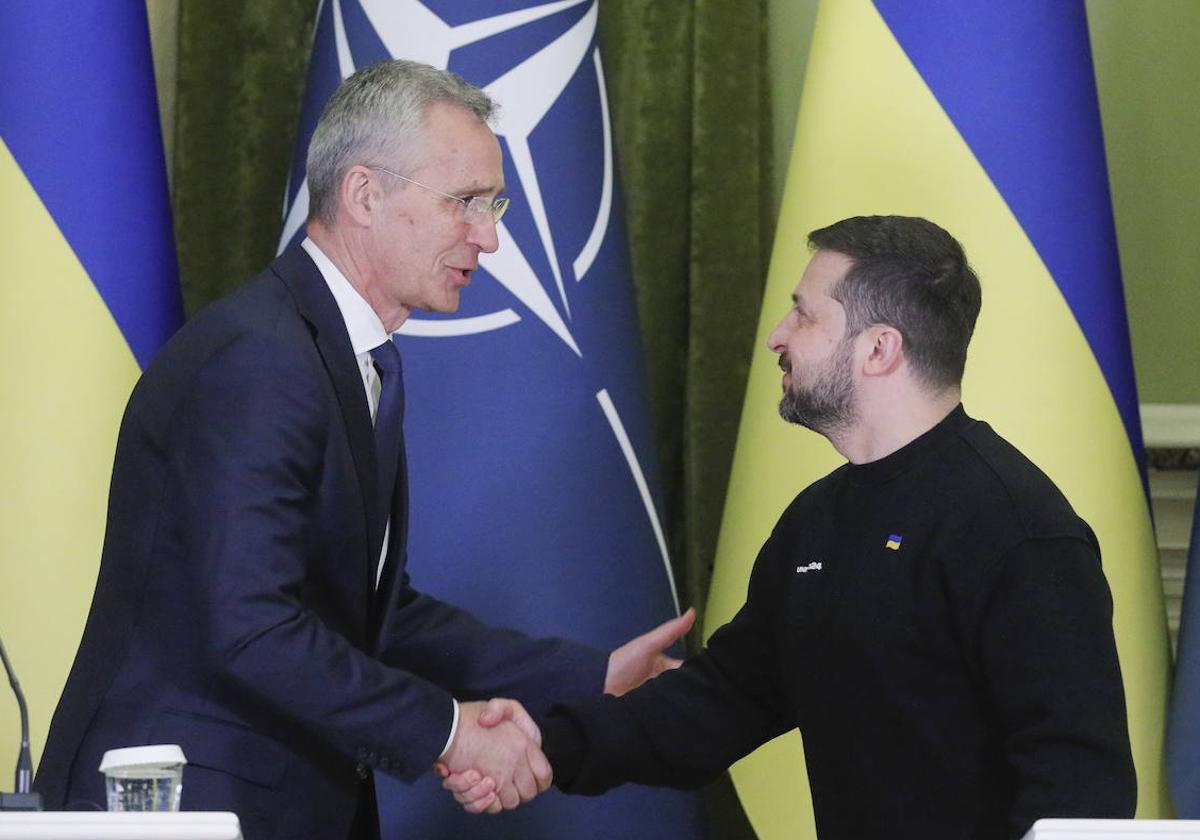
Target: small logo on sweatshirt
column 814, row 566
column 893, row 542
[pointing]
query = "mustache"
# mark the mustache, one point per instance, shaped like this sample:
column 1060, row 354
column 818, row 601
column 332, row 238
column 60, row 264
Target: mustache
column 785, row 364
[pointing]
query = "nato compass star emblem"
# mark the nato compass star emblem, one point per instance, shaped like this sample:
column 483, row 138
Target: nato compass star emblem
column 528, row 84
column 526, row 93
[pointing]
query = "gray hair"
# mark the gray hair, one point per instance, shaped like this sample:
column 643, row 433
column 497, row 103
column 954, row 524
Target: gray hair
column 374, row 117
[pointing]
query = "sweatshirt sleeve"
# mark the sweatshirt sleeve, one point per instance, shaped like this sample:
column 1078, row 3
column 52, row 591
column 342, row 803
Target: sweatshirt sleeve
column 1048, row 655
column 684, row 727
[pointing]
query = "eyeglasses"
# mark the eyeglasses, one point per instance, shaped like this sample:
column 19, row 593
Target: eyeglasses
column 475, row 209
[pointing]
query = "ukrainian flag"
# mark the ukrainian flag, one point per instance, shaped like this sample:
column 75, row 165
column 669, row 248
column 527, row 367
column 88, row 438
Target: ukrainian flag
column 982, row 117
column 90, row 290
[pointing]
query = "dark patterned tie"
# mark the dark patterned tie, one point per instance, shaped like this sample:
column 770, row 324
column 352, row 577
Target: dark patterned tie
column 389, row 423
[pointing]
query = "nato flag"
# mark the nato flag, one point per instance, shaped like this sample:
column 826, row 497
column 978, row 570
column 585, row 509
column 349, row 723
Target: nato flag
column 534, row 498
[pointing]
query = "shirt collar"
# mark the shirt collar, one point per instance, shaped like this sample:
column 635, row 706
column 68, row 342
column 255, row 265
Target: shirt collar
column 362, row 323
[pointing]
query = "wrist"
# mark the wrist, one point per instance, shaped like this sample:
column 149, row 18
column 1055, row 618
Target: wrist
column 453, row 731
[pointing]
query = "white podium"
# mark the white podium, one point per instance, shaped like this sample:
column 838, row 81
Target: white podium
column 101, row 825
column 1112, row 830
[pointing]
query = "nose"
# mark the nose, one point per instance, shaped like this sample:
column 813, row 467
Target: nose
column 777, row 340
column 484, row 235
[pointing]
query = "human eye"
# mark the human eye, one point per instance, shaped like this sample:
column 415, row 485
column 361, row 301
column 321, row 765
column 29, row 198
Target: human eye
column 480, row 206
column 462, row 205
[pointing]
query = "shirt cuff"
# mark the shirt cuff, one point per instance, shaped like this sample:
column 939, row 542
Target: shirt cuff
column 453, row 730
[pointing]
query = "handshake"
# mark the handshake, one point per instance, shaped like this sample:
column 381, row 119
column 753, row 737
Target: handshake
column 495, row 761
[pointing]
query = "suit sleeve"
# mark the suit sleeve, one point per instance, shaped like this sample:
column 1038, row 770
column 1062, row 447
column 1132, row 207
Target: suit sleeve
column 475, row 661
column 246, row 451
column 1049, row 659
column 684, row 727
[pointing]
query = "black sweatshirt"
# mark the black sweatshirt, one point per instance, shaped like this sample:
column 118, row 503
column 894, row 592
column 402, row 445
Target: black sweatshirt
column 937, row 625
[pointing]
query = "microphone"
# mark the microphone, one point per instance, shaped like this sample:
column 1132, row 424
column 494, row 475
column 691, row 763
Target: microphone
column 24, row 799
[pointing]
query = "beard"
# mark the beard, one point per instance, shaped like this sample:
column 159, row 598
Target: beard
column 826, row 404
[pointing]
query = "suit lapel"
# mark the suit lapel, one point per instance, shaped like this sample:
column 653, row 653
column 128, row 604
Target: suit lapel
column 319, row 309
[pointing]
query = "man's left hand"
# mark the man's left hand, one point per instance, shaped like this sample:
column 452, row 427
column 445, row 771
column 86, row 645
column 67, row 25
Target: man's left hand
column 642, row 657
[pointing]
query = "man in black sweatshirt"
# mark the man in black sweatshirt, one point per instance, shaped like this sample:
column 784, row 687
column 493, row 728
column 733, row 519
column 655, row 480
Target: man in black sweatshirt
column 932, row 615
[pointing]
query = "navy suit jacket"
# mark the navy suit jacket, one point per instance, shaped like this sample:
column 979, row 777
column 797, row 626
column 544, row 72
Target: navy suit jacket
column 235, row 611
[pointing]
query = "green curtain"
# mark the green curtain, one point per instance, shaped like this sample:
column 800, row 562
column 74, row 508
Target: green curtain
column 240, row 82
column 686, row 81
column 687, row 88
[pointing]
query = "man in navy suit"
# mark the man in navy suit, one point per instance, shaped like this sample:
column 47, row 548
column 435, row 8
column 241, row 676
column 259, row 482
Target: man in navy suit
column 252, row 604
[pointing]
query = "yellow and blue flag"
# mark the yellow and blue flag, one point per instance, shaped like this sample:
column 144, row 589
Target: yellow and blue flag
column 90, row 291
column 982, row 117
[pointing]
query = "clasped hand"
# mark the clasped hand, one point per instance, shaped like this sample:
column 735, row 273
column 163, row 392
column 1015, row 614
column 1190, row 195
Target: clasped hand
column 496, row 757
column 524, row 771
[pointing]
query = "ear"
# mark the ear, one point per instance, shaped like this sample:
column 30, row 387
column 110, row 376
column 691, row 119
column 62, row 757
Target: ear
column 359, row 195
column 886, row 352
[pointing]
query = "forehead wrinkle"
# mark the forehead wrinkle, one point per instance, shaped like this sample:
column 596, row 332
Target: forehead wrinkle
column 477, row 187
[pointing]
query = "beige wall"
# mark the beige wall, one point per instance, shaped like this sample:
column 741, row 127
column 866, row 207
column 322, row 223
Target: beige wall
column 1147, row 67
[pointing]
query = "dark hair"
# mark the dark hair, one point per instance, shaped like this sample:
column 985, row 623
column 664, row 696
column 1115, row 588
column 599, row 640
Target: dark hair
column 909, row 274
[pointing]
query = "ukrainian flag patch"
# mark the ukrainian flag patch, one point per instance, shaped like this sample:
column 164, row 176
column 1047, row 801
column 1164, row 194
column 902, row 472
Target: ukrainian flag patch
column 893, row 542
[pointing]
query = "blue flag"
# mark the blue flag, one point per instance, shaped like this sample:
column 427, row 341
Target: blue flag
column 1183, row 724
column 90, row 291
column 78, row 114
column 533, row 478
